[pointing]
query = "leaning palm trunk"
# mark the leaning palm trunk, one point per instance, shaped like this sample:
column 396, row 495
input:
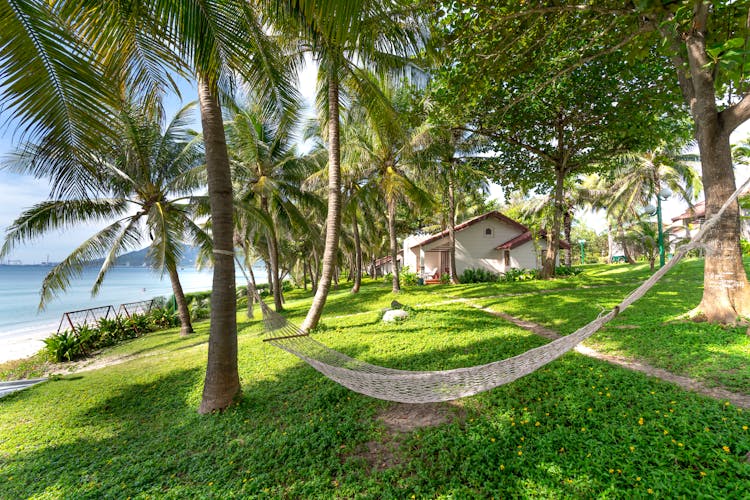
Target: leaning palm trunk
column 567, row 229
column 182, row 308
column 333, row 220
column 222, row 382
column 394, row 248
column 357, row 255
column 273, row 253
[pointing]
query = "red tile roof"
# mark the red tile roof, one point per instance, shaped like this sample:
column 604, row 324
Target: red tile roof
column 497, row 215
column 697, row 212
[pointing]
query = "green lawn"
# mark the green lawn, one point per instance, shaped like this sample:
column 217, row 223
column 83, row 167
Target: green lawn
column 576, row 428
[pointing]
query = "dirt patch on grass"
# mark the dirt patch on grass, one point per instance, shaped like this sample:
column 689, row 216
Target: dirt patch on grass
column 399, row 420
column 401, row 417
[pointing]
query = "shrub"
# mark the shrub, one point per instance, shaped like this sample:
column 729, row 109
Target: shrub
column 445, row 278
column 568, row 271
column 200, row 309
column 745, row 245
column 162, row 318
column 480, row 275
column 512, row 275
column 63, row 346
column 406, row 277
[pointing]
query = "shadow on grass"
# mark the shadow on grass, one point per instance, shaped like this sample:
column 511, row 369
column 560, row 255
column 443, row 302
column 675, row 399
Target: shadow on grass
column 297, row 434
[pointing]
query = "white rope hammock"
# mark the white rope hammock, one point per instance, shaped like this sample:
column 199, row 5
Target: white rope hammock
column 445, row 385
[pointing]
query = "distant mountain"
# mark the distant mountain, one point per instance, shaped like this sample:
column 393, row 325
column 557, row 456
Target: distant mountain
column 138, row 258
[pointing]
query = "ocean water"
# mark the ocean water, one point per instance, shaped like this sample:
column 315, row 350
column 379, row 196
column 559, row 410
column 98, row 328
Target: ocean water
column 21, row 319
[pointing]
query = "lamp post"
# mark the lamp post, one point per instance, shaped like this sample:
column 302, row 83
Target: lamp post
column 583, row 251
column 663, row 194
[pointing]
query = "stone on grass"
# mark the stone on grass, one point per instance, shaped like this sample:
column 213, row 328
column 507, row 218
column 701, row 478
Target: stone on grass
column 395, row 315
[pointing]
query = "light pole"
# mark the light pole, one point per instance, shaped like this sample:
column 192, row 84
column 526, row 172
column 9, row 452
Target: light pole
column 583, row 251
column 663, row 194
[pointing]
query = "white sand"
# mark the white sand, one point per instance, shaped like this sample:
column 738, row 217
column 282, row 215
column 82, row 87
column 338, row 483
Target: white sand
column 22, row 346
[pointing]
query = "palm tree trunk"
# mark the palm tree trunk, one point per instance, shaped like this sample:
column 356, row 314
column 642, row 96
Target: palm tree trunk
column 357, row 255
column 252, row 291
column 452, row 225
column 222, row 382
column 394, row 249
column 304, row 274
column 182, row 308
column 333, row 220
column 273, row 252
column 553, row 237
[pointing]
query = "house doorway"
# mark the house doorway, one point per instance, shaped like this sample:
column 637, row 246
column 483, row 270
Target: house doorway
column 445, row 262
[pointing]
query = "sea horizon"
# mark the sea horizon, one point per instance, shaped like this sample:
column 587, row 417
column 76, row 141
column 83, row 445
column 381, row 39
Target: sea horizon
column 23, row 326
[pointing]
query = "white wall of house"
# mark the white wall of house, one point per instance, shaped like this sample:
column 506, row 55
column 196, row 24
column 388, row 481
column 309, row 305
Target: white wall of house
column 525, row 256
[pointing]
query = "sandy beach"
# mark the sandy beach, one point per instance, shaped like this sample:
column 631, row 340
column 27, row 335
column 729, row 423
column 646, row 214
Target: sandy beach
column 22, row 346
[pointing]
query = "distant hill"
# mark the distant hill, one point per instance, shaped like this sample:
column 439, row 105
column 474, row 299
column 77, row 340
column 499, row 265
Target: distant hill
column 138, row 258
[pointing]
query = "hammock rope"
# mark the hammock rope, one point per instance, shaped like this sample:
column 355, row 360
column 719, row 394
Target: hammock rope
column 435, row 386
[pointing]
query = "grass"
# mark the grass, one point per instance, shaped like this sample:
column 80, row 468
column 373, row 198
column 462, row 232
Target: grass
column 575, row 428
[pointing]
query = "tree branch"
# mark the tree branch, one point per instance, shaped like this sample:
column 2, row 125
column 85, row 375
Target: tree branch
column 510, row 139
column 735, row 115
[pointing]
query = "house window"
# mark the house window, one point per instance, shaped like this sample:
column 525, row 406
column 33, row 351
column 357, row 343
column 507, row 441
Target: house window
column 488, row 232
column 507, row 258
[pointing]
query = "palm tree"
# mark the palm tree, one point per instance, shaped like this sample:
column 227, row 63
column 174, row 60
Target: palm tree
column 63, row 65
column 152, row 170
column 269, row 174
column 343, row 37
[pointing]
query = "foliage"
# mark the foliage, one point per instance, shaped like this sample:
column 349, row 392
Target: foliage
column 63, row 346
column 445, row 278
column 478, row 275
column 599, row 429
column 745, row 245
column 200, row 309
column 407, row 277
column 568, row 271
column 70, row 345
column 513, row 274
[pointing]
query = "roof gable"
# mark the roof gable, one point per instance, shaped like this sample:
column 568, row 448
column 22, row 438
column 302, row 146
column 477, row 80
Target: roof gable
column 475, row 220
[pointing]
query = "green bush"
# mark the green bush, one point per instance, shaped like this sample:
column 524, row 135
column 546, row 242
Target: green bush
column 480, row 275
column 445, row 278
column 63, row 346
column 512, row 275
column 745, row 245
column 567, row 271
column 200, row 309
column 163, row 318
column 406, row 277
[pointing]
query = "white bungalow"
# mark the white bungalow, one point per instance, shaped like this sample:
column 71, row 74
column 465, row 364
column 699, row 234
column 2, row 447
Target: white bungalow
column 491, row 241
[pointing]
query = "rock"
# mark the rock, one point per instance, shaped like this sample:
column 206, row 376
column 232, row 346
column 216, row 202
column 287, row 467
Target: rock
column 395, row 304
column 395, row 315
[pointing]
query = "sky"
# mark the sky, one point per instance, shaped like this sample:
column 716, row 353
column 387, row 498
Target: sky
column 19, row 192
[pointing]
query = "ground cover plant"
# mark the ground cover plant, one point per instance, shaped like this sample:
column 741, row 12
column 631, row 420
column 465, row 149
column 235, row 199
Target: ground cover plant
column 578, row 427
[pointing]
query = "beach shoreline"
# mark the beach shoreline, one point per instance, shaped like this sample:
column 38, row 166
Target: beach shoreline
column 23, row 346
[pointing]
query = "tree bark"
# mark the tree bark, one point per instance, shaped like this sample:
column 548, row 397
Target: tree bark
column 357, row 255
column 273, row 252
column 252, row 290
column 567, row 229
column 452, row 224
column 726, row 293
column 333, row 220
column 182, row 308
column 394, row 249
column 553, row 237
column 222, row 382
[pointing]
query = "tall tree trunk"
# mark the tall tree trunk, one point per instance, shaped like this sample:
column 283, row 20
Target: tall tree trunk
column 553, row 237
column 726, row 294
column 333, row 220
column 452, row 223
column 252, row 291
column 567, row 229
column 222, row 382
column 304, row 274
column 357, row 255
column 394, row 249
column 182, row 308
column 273, row 252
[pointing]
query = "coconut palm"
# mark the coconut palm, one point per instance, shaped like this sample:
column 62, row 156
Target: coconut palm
column 63, row 65
column 343, row 37
column 637, row 180
column 269, row 173
column 151, row 175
